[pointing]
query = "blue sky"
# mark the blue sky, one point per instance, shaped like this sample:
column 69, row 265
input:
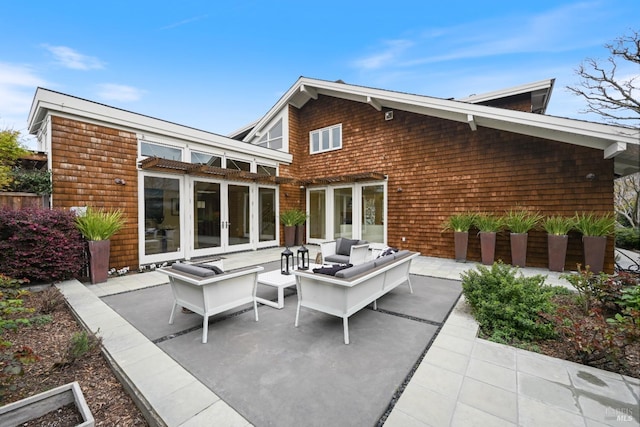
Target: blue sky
column 218, row 66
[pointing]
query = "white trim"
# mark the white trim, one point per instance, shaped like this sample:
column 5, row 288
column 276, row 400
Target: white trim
column 572, row 131
column 516, row 90
column 47, row 101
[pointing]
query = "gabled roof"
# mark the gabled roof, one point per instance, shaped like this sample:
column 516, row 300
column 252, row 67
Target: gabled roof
column 540, row 94
column 620, row 143
column 46, row 101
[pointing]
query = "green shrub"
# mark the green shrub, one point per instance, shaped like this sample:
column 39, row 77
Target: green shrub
column 31, row 181
column 628, row 238
column 508, row 307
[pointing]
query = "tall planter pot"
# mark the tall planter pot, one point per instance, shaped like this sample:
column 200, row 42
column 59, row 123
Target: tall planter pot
column 557, row 251
column 300, row 235
column 488, row 246
column 289, row 235
column 461, row 242
column 594, row 252
column 99, row 251
column 519, row 249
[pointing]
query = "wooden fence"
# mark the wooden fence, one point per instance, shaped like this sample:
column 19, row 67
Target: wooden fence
column 16, row 201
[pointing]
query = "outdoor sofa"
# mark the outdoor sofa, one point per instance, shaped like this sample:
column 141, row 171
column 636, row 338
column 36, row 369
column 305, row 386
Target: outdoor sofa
column 206, row 292
column 344, row 251
column 352, row 288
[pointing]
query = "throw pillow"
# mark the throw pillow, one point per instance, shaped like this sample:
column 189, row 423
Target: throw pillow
column 343, row 247
column 215, row 269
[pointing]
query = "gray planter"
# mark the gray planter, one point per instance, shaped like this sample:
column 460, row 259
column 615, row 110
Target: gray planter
column 33, row 407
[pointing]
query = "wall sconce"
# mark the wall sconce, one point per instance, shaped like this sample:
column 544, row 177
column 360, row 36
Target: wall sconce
column 388, row 115
column 399, row 190
column 591, row 176
column 120, row 181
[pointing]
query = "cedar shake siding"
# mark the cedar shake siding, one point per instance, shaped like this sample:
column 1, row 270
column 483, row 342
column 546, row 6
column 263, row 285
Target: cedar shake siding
column 444, row 167
column 85, row 161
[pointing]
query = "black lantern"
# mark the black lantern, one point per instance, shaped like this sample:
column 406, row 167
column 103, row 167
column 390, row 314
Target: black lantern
column 286, row 261
column 303, row 258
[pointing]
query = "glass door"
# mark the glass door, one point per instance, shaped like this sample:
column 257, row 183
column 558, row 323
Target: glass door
column 162, row 220
column 343, row 212
column 317, row 223
column 237, row 222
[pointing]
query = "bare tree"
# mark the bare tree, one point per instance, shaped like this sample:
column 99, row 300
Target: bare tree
column 627, row 199
column 608, row 94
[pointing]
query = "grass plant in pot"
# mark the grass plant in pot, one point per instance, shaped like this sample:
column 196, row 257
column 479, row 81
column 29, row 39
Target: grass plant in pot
column 594, row 229
column 289, row 219
column 488, row 226
column 519, row 222
column 557, row 228
column 460, row 223
column 302, row 218
column 97, row 226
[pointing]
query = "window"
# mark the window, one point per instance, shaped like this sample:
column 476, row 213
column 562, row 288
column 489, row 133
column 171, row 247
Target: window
column 238, row 165
column 149, row 149
column 326, row 139
column 273, row 137
column 266, row 170
column 206, row 159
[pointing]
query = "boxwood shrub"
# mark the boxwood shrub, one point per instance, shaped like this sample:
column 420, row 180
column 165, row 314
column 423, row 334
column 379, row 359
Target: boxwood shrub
column 41, row 245
column 628, row 238
column 506, row 306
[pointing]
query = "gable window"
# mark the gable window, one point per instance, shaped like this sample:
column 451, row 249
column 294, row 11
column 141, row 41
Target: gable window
column 206, row 159
column 325, row 139
column 149, row 149
column 273, row 137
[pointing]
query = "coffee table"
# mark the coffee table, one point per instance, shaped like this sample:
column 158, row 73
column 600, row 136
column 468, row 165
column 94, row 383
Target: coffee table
column 278, row 280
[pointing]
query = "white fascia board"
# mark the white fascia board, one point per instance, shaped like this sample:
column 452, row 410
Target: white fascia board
column 503, row 93
column 47, row 101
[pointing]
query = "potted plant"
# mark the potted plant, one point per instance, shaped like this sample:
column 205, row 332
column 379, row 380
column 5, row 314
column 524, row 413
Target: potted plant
column 594, row 229
column 290, row 218
column 460, row 223
column 302, row 218
column 97, row 226
column 519, row 222
column 488, row 226
column 557, row 228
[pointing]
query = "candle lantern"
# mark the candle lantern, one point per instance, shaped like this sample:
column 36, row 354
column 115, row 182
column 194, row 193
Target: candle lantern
column 303, row 258
column 286, row 261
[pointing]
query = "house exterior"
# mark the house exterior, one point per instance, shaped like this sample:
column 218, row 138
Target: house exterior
column 378, row 165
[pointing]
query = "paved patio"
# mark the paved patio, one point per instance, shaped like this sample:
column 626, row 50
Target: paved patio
column 405, row 366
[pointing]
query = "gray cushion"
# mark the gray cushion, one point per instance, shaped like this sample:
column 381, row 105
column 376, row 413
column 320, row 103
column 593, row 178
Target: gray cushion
column 338, row 259
column 343, row 246
column 383, row 260
column 193, row 269
column 401, row 253
column 355, row 270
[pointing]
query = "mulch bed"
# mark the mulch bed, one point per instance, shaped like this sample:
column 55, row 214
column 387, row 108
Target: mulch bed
column 107, row 399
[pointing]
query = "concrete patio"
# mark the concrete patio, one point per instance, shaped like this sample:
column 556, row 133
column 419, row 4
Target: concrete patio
column 414, row 362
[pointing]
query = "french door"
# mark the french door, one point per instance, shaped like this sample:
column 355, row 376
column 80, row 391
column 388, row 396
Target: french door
column 356, row 211
column 221, row 217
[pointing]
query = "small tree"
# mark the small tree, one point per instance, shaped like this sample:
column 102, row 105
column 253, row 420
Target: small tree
column 10, row 151
column 609, row 94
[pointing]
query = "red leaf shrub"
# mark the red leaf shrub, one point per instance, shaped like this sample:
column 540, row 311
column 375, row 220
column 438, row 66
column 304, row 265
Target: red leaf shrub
column 41, row 245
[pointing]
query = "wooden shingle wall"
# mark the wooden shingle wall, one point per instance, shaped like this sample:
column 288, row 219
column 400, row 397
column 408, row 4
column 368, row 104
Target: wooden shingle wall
column 86, row 160
column 437, row 167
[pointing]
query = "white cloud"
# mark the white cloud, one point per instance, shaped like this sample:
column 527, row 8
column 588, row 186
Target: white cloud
column 555, row 30
column 70, row 58
column 116, row 92
column 17, row 86
column 184, row 22
column 390, row 53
